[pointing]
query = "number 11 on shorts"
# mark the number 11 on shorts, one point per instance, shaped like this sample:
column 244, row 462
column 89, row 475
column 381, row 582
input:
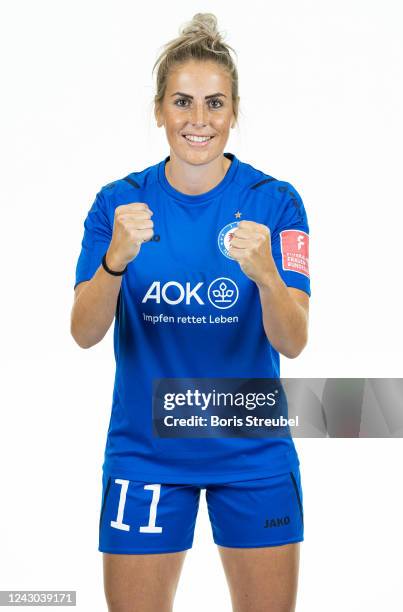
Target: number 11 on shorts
column 151, row 527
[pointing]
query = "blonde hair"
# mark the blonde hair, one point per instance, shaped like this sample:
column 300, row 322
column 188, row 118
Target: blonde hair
column 199, row 40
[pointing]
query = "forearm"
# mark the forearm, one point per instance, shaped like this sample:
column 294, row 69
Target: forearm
column 95, row 306
column 284, row 320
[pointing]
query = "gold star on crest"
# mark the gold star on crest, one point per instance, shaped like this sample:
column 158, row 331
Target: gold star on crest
column 238, row 214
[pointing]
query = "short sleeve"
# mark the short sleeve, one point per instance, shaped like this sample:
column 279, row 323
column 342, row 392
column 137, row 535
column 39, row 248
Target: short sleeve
column 290, row 240
column 96, row 239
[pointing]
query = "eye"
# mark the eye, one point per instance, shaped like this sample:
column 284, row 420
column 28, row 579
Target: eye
column 180, row 100
column 216, row 100
column 212, row 100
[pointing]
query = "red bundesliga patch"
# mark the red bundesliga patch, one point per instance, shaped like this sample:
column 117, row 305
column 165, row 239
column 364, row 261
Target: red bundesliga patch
column 295, row 251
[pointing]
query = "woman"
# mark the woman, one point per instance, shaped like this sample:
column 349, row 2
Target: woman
column 203, row 260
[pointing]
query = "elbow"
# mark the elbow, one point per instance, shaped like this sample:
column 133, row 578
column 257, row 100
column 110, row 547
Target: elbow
column 292, row 354
column 84, row 343
column 84, row 346
column 74, row 331
column 79, row 341
column 296, row 350
column 76, row 337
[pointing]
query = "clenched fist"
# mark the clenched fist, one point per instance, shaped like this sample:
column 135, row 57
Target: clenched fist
column 132, row 226
column 250, row 246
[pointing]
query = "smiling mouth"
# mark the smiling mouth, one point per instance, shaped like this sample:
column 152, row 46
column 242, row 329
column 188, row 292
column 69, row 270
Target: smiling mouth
column 198, row 143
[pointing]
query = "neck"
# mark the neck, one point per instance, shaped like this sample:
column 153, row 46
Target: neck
column 195, row 179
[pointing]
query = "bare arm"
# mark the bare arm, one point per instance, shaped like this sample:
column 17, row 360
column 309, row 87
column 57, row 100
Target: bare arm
column 285, row 313
column 284, row 309
column 95, row 305
column 95, row 300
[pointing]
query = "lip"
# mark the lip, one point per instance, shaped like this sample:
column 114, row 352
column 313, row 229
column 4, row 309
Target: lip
column 198, row 145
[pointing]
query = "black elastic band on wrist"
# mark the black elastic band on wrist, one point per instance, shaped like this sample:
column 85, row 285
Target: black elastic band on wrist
column 105, row 267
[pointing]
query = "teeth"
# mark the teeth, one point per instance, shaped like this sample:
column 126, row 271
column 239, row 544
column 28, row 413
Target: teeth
column 197, row 138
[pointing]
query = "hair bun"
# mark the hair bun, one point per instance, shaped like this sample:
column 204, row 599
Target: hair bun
column 202, row 23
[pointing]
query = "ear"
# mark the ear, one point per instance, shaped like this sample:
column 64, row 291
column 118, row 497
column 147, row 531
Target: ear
column 237, row 109
column 158, row 116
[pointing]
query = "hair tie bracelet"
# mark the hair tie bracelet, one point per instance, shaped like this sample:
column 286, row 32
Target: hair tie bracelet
column 105, row 267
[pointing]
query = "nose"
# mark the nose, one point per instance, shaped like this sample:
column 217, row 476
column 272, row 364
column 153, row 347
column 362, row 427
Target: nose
column 198, row 115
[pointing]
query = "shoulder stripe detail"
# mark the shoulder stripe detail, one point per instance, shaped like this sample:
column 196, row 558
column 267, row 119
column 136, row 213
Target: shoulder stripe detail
column 268, row 180
column 132, row 182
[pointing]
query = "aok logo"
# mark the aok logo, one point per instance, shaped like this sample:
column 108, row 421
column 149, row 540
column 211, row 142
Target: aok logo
column 221, row 293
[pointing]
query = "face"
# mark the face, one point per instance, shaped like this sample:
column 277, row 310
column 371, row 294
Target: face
column 205, row 110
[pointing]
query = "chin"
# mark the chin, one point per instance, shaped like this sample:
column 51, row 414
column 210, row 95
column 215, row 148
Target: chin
column 199, row 155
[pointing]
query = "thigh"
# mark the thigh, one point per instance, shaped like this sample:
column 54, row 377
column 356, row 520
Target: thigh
column 263, row 579
column 141, row 582
column 257, row 525
column 144, row 532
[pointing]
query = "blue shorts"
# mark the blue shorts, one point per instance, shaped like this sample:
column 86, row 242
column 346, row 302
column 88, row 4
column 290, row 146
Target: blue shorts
column 140, row 517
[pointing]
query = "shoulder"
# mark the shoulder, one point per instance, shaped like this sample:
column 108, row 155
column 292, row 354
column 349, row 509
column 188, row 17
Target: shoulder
column 280, row 194
column 120, row 191
column 135, row 180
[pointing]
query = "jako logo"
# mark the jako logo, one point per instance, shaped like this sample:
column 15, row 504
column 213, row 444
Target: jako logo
column 222, row 293
column 277, row 522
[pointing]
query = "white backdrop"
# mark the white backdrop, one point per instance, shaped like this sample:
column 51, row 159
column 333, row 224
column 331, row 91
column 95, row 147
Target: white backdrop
column 321, row 100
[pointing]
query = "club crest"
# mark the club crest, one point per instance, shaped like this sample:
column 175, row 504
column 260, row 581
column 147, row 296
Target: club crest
column 225, row 236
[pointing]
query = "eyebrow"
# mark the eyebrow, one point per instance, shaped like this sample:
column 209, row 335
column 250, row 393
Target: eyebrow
column 179, row 93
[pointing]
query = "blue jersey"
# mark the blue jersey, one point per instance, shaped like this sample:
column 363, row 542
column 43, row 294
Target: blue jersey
column 174, row 318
